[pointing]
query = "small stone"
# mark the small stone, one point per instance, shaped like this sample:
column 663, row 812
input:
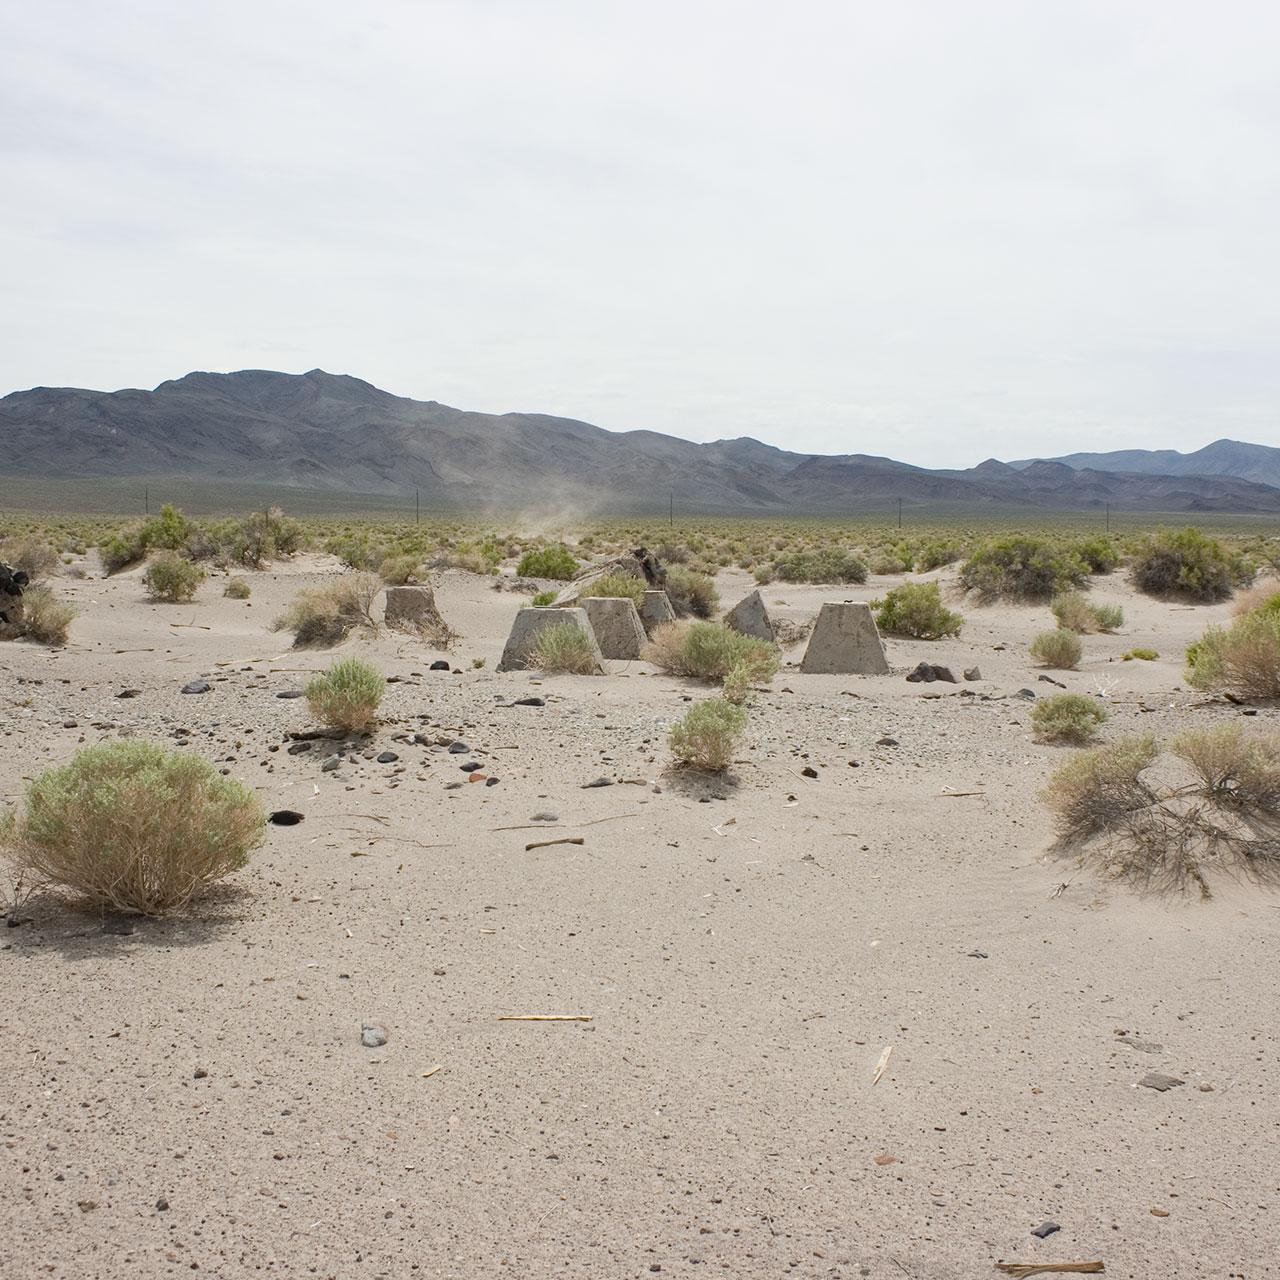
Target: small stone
column 439, row 665
column 972, row 673
column 330, row 764
column 285, row 818
column 886, row 742
column 196, row 686
column 978, row 955
column 128, row 693
column 1046, row 1229
column 529, row 702
column 200, row 1074
column 545, row 817
column 491, row 782
column 1159, row 1081
column 598, row 782
column 1027, row 695
column 162, row 1204
column 387, row 757
column 291, row 693
column 458, row 748
column 1052, row 681
column 1206, row 1088
column 299, row 748
column 373, row 1035
column 470, row 767
column 808, row 772
column 70, row 724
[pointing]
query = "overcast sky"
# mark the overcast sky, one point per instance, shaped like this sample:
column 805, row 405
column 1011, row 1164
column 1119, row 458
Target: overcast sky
column 940, row 230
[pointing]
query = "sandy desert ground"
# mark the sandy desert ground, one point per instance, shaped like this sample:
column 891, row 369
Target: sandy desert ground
column 192, row 1094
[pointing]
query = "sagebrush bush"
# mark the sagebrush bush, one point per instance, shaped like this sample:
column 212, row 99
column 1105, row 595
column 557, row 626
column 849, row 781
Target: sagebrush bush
column 1022, row 569
column 45, row 618
column 708, row 734
column 1243, row 658
column 1235, row 769
column 1185, row 564
column 691, row 594
column 237, row 589
column 327, row 614
column 916, row 609
column 395, row 571
column 122, row 549
column 1095, row 789
column 827, row 564
column 1060, row 649
column 555, row 562
column 1109, row 617
column 564, row 649
column 130, row 826
column 543, row 598
column 1099, row 554
column 171, row 578
column 711, row 651
column 35, row 557
column 936, row 555
column 346, row 696
column 617, row 586
column 1143, row 655
column 1067, row 717
column 1075, row 613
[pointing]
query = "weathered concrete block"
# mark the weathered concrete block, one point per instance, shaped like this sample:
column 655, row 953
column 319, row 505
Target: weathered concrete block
column 529, row 625
column 751, row 618
column 845, row 641
column 656, row 610
column 411, row 606
column 616, row 625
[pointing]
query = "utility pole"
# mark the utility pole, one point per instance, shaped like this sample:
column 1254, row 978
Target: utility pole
column 899, row 513
column 671, row 519
column 146, row 500
column 1108, row 517
column 415, row 506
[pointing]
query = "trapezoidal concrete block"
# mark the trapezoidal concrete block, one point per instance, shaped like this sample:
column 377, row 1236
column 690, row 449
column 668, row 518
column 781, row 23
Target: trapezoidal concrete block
column 656, row 610
column 530, row 624
column 411, row 606
column 616, row 625
column 845, row 641
column 750, row 618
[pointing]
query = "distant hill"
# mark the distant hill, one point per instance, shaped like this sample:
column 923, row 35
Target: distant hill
column 328, row 432
column 1257, row 462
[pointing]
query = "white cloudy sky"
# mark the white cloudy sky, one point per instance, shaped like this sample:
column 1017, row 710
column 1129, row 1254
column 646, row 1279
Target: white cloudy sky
column 941, row 229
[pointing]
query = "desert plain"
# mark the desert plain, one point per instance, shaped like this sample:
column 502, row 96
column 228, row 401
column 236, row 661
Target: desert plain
column 845, row 1010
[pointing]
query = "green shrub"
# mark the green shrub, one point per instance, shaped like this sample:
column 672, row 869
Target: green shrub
column 691, row 593
column 1067, row 717
column 827, row 564
column 1184, row 564
column 618, row 586
column 1144, row 655
column 1075, row 613
column 1243, row 658
column 168, row 531
column 1109, row 617
column 710, row 651
column 347, row 695
column 122, row 549
column 1059, row 649
column 936, row 555
column 130, row 826
column 237, row 589
column 554, row 562
column 45, row 618
column 1099, row 554
column 916, row 609
column 565, row 649
column 1021, row 569
column 543, row 598
column 171, row 578
column 707, row 735
column 327, row 614
column 395, row 571
column 264, row 536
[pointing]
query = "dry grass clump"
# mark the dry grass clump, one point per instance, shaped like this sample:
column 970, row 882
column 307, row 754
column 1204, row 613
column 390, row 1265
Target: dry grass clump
column 691, row 594
column 35, row 557
column 347, row 695
column 130, row 826
column 706, row 737
column 237, row 589
column 1075, row 613
column 564, row 649
column 1243, row 659
column 1227, row 819
column 396, row 571
column 1264, row 597
column 45, row 618
column 617, row 586
column 1067, row 717
column 710, row 651
column 171, row 578
column 325, row 615
column 1060, row 649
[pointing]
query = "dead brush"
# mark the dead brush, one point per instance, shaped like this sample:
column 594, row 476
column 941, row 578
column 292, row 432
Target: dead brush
column 327, row 614
column 1169, row 839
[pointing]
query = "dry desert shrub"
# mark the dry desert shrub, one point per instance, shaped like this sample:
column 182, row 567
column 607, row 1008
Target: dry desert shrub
column 1243, row 659
column 1067, row 717
column 172, row 579
column 1234, row 769
column 916, row 609
column 396, row 571
column 1060, row 649
column 1097, row 789
column 347, row 695
column 36, row 558
column 691, row 594
column 564, row 649
column 1185, row 564
column 710, row 651
column 237, row 589
column 327, row 614
column 706, row 737
column 45, row 618
column 1264, row 597
column 617, row 586
column 130, row 826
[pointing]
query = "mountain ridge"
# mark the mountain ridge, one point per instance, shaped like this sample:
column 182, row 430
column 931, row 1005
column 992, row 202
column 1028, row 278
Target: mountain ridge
column 337, row 432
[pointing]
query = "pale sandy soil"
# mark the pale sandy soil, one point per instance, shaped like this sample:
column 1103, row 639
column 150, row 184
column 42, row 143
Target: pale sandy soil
column 746, row 949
